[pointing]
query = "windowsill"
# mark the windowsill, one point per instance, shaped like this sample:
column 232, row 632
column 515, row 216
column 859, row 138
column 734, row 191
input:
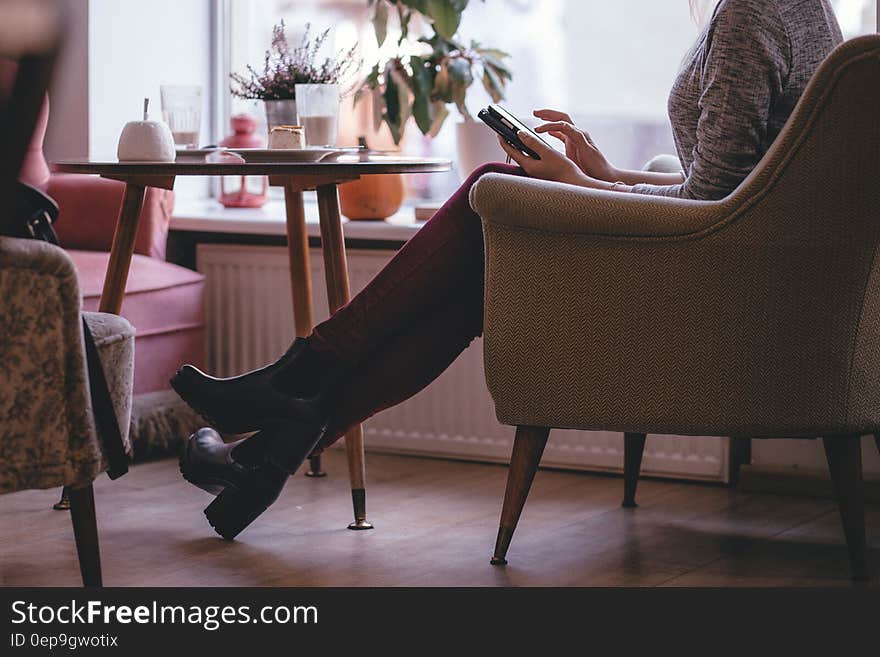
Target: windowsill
column 209, row 216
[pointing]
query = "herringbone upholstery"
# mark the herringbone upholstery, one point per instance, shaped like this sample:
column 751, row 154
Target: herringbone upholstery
column 757, row 315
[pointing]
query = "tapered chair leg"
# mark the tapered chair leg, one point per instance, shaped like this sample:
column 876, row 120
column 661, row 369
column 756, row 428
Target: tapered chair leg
column 633, row 447
column 528, row 446
column 844, row 454
column 85, row 532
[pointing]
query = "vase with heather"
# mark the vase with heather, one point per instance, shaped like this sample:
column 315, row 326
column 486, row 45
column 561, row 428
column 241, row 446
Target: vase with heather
column 281, row 112
column 285, row 68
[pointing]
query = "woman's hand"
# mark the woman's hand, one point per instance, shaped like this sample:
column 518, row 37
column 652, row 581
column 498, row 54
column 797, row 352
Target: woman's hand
column 553, row 165
column 579, row 147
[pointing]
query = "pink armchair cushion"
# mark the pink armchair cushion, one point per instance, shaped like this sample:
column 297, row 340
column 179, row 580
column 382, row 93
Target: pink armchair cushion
column 90, row 207
column 164, row 302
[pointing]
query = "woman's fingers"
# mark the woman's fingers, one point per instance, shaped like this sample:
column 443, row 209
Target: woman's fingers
column 568, row 129
column 512, row 152
column 525, row 161
column 561, row 126
column 553, row 125
column 552, row 115
column 533, row 142
column 561, row 136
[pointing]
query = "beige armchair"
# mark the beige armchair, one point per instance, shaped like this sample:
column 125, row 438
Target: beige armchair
column 754, row 316
column 48, row 437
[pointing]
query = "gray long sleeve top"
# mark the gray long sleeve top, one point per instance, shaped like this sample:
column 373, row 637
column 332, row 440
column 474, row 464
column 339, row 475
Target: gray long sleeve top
column 738, row 87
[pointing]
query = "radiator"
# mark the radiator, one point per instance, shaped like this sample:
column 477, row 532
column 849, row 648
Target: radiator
column 250, row 323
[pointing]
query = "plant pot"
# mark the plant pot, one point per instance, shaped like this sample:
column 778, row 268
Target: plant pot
column 280, row 112
column 371, row 198
column 477, row 144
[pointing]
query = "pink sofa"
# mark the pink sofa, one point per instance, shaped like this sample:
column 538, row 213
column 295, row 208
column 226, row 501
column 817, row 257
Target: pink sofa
column 163, row 301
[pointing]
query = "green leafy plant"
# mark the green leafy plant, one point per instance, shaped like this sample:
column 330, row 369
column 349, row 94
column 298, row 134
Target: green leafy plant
column 423, row 85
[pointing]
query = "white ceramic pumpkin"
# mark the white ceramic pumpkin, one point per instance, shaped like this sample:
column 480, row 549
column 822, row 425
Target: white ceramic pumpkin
column 146, row 141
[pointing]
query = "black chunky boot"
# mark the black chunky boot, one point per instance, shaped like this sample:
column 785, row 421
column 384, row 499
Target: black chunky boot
column 291, row 390
column 247, row 476
column 244, row 488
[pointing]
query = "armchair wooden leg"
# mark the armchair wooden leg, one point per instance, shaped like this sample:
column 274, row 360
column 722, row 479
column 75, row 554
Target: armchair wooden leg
column 633, row 447
column 528, row 446
column 844, row 454
column 85, row 532
column 740, row 454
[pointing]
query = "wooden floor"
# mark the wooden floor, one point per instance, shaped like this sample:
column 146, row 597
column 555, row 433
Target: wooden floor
column 435, row 526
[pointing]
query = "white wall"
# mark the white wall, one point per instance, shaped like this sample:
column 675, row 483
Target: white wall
column 67, row 135
column 134, row 47
column 117, row 53
column 808, row 455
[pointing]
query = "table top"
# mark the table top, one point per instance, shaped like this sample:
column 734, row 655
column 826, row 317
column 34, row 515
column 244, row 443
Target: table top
column 343, row 165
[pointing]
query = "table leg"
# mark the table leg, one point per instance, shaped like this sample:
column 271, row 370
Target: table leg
column 122, row 249
column 300, row 281
column 338, row 294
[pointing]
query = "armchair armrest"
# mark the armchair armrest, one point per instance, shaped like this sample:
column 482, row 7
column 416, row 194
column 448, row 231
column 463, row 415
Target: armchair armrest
column 554, row 207
column 28, row 266
column 90, row 207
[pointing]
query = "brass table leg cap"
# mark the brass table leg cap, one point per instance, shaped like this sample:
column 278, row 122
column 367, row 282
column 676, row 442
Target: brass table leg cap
column 498, row 561
column 63, row 504
column 319, row 473
column 360, row 524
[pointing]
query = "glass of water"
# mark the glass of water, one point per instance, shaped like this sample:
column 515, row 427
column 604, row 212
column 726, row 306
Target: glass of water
column 182, row 111
column 318, row 108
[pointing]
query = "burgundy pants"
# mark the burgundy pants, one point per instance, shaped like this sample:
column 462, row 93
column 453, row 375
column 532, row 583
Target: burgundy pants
column 415, row 317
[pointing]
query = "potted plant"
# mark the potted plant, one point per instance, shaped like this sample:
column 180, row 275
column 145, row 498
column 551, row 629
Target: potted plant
column 424, row 85
column 285, row 67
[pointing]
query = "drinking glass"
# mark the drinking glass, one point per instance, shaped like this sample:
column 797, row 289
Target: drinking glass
column 182, row 111
column 318, row 108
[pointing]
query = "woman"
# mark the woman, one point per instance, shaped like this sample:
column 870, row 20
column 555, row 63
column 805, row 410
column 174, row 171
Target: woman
column 736, row 89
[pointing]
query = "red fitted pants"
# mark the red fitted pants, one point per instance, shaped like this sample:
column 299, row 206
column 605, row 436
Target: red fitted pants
column 414, row 318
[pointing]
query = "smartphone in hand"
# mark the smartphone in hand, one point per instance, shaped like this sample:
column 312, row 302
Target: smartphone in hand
column 507, row 125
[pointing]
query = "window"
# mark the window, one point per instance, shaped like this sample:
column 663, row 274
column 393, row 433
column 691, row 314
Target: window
column 857, row 16
column 249, row 31
column 609, row 64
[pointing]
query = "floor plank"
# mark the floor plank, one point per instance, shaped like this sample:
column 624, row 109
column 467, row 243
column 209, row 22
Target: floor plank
column 435, row 526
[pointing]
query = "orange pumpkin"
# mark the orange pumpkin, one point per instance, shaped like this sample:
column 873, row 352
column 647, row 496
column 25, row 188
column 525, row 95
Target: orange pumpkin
column 372, row 197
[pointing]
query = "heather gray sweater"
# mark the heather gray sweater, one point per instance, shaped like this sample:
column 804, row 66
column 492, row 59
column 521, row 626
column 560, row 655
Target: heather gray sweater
column 738, row 87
